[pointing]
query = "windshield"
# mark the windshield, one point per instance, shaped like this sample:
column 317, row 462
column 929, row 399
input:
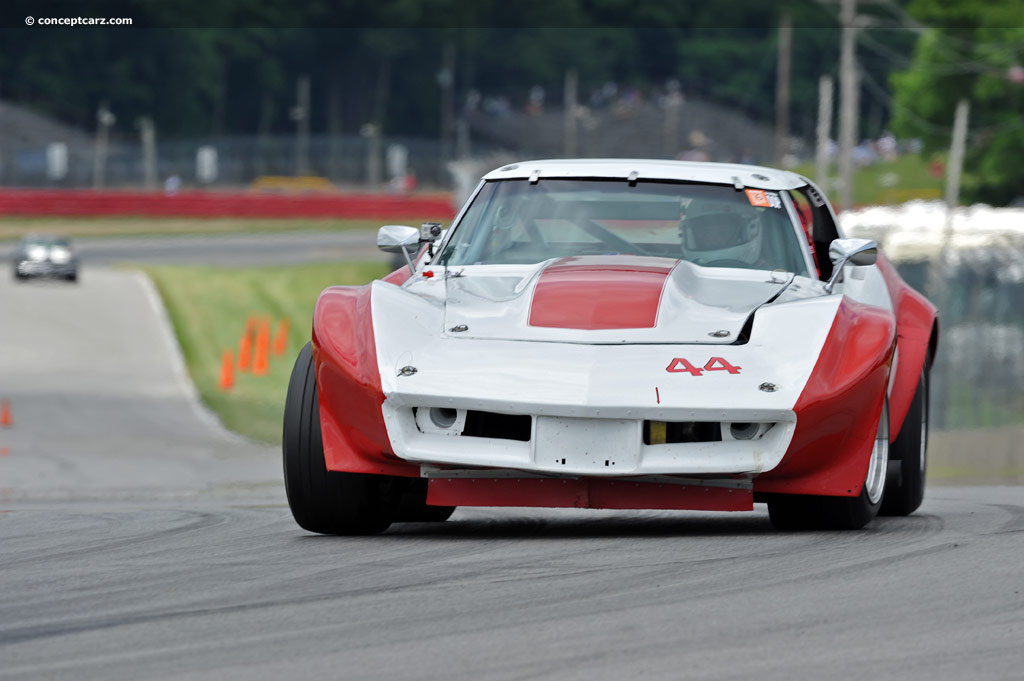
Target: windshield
column 47, row 241
column 516, row 222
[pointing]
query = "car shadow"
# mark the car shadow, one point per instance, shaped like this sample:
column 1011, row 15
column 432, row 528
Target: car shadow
column 551, row 526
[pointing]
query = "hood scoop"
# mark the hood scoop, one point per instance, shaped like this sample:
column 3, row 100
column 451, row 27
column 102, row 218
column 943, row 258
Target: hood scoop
column 600, row 293
column 607, row 300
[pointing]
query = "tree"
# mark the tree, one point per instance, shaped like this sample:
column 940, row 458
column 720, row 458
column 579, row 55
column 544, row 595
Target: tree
column 974, row 52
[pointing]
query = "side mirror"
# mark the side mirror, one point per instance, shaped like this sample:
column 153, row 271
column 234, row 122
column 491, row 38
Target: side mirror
column 854, row 251
column 398, row 238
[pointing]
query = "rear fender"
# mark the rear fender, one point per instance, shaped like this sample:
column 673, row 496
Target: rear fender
column 917, row 327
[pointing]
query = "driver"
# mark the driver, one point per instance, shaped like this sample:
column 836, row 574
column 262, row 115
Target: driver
column 504, row 226
column 719, row 233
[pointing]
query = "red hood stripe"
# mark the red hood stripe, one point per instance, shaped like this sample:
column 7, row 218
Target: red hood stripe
column 600, row 292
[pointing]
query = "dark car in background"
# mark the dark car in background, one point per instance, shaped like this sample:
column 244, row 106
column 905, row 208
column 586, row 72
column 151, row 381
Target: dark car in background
column 45, row 255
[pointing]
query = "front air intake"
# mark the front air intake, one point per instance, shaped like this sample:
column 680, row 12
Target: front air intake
column 672, row 432
column 498, row 426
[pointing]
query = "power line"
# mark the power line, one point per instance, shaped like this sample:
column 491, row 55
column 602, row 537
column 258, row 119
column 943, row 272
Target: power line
column 885, row 99
column 963, row 67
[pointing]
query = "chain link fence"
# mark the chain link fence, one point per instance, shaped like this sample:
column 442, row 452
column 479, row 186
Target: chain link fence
column 974, row 272
column 350, row 160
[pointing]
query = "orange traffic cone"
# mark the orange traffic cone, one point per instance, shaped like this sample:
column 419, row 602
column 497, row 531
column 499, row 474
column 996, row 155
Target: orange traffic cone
column 259, row 361
column 227, row 376
column 5, row 414
column 281, row 338
column 245, row 351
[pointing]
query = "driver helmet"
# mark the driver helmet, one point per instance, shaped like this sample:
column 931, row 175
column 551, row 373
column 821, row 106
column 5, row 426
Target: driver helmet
column 710, row 231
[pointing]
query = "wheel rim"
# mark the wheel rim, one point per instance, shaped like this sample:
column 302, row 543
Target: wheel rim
column 924, row 423
column 874, row 484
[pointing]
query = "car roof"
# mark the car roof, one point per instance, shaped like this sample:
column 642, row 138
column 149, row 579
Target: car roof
column 757, row 177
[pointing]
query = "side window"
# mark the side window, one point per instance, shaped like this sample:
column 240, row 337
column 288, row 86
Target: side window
column 806, row 213
column 818, row 224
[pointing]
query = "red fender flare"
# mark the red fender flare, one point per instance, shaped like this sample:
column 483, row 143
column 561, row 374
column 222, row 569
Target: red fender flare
column 348, row 383
column 837, row 413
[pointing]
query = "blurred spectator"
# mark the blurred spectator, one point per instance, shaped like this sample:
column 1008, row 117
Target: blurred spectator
column 864, row 154
column 535, row 102
column 694, row 155
column 886, row 146
column 172, row 185
column 496, row 106
column 698, row 147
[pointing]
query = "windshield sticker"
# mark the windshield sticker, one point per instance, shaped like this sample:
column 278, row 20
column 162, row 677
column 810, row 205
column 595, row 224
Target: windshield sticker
column 762, row 199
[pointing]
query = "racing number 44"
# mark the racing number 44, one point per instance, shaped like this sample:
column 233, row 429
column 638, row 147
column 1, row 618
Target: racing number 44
column 681, row 364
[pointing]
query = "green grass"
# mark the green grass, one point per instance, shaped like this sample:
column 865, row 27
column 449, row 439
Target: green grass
column 967, row 406
column 886, row 182
column 15, row 227
column 968, row 475
column 209, row 307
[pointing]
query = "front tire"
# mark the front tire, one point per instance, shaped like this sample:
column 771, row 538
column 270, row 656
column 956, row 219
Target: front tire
column 809, row 512
column 323, row 501
column 904, row 494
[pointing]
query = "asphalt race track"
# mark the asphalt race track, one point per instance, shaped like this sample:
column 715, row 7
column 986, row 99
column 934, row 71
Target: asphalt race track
column 140, row 541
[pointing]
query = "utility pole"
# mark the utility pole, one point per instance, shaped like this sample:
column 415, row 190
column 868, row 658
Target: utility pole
column 446, row 79
column 782, row 76
column 105, row 120
column 147, row 134
column 371, row 131
column 569, row 148
column 937, row 284
column 673, row 103
column 300, row 114
column 824, row 130
column 334, row 126
column 462, row 141
column 848, row 102
column 956, row 162
column 263, row 134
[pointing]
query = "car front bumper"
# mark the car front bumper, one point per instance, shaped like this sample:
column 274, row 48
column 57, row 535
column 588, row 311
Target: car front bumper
column 45, row 268
column 590, row 442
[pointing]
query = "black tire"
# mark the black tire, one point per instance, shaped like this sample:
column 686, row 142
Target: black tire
column 73, row 277
column 809, row 512
column 414, row 509
column 320, row 500
column 905, row 492
column 796, row 512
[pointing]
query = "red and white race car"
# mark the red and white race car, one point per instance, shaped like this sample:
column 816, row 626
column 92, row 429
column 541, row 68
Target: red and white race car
column 617, row 334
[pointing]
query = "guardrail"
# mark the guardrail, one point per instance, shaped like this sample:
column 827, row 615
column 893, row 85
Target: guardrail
column 30, row 202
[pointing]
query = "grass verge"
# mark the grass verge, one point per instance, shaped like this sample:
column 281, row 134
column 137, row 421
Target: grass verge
column 15, row 227
column 886, row 182
column 209, row 307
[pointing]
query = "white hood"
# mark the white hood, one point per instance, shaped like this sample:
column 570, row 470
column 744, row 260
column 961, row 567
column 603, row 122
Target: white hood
column 604, row 301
